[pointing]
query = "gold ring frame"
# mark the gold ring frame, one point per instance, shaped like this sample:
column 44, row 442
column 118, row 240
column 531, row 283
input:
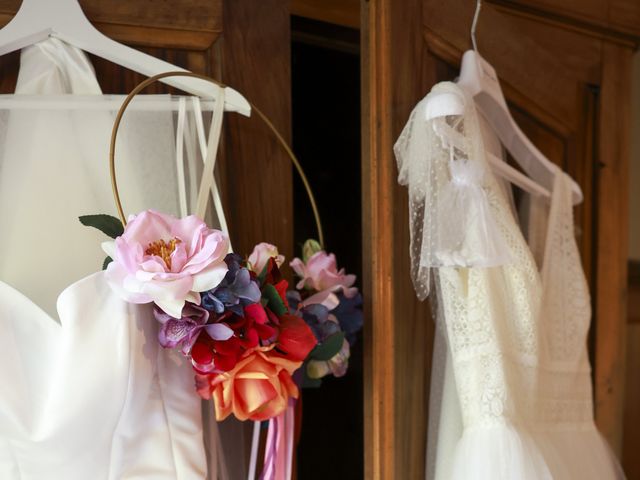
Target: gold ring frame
column 141, row 86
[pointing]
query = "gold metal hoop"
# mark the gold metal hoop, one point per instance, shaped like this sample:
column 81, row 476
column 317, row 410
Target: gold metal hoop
column 141, row 86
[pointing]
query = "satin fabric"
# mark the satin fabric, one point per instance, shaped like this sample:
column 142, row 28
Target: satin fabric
column 89, row 394
column 54, row 168
column 95, row 397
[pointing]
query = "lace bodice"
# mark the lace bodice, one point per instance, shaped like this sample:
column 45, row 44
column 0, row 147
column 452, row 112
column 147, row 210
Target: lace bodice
column 517, row 335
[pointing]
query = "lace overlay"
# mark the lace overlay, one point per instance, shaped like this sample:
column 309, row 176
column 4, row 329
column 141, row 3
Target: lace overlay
column 450, row 219
column 513, row 340
column 516, row 332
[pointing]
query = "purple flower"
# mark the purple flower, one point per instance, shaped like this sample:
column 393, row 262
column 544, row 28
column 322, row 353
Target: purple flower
column 185, row 331
column 235, row 292
column 349, row 315
column 317, row 316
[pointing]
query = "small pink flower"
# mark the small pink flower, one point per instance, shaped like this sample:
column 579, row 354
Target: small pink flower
column 321, row 274
column 261, row 255
column 163, row 259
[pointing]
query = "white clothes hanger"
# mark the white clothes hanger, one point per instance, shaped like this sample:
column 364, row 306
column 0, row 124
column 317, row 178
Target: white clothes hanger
column 479, row 79
column 37, row 20
column 451, row 104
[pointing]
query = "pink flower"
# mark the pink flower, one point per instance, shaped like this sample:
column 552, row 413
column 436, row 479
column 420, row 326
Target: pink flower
column 321, row 274
column 261, row 255
column 166, row 260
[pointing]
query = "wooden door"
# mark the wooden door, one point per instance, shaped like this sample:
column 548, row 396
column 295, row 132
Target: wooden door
column 565, row 69
column 251, row 53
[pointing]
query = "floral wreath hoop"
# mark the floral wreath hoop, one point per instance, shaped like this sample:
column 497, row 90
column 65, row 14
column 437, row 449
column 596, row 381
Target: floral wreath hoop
column 252, row 341
column 144, row 84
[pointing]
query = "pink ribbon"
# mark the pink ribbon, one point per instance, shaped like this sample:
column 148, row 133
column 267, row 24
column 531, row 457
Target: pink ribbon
column 278, row 457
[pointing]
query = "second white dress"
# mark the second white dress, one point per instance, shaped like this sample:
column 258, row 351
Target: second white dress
column 512, row 395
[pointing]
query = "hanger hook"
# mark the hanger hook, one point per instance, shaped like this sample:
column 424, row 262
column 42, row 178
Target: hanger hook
column 474, row 24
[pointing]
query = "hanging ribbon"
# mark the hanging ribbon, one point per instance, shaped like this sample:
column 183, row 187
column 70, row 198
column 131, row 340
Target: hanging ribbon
column 278, row 458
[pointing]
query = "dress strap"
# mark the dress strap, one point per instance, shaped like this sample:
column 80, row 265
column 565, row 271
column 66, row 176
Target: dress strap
column 207, row 180
column 180, row 134
column 206, row 146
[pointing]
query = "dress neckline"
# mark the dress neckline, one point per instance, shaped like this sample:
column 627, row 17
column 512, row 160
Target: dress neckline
column 64, row 293
column 552, row 224
column 554, row 201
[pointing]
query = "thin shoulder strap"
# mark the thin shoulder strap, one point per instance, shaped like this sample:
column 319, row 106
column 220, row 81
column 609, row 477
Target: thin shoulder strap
column 207, row 179
column 181, row 131
column 205, row 146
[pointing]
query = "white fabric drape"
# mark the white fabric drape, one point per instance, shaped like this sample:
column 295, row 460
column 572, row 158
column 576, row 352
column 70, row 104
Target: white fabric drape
column 53, row 168
column 94, row 395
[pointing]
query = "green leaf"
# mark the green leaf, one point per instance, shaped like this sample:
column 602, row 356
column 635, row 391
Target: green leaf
column 110, row 226
column 263, row 274
column 311, row 383
column 310, row 248
column 329, row 348
column 274, row 302
column 106, row 262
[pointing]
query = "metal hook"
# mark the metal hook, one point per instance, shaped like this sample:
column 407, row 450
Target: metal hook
column 474, row 24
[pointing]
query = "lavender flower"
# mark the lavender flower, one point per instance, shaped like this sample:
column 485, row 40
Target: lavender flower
column 183, row 332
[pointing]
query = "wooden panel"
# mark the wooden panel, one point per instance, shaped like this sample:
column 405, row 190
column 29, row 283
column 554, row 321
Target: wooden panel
column 542, row 69
column 634, row 293
column 9, row 65
column 339, row 12
column 612, row 241
column 398, row 327
column 256, row 56
column 193, row 24
column 616, row 20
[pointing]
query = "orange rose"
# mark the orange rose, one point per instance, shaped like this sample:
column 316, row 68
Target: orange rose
column 258, row 388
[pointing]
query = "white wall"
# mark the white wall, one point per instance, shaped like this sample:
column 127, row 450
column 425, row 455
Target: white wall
column 634, row 192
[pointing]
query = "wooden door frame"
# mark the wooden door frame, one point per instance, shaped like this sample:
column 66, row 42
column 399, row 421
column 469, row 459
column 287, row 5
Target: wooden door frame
column 397, row 355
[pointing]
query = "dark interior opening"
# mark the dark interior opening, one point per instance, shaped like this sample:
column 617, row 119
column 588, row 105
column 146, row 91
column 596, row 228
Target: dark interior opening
column 325, row 74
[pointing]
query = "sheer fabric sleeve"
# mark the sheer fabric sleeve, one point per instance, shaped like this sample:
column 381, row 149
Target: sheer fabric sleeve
column 442, row 162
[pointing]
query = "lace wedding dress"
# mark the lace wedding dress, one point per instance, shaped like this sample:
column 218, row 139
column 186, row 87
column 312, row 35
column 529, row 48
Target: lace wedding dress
column 511, row 387
column 87, row 392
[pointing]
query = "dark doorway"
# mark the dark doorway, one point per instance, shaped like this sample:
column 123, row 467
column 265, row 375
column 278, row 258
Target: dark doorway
column 326, row 136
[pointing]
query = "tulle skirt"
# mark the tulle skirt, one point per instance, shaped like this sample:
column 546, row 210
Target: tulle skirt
column 505, row 452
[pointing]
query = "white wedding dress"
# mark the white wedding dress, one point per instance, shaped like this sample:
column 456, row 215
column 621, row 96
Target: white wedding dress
column 86, row 390
column 511, row 390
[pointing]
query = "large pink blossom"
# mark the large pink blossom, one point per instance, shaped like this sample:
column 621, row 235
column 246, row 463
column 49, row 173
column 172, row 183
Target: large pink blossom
column 321, row 274
column 163, row 259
